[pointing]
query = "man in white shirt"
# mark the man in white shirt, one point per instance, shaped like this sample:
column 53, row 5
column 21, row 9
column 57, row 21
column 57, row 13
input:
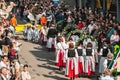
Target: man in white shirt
column 3, row 62
column 3, row 73
column 91, row 26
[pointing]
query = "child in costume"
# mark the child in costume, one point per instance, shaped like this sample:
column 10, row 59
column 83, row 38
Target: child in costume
column 89, row 60
column 80, row 50
column 71, row 63
column 60, row 53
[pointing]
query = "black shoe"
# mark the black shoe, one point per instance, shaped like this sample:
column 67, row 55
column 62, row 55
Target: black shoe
column 80, row 75
column 49, row 49
column 71, row 78
column 60, row 68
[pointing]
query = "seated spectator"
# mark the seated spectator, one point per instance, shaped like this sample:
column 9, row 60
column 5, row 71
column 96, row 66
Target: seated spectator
column 106, row 75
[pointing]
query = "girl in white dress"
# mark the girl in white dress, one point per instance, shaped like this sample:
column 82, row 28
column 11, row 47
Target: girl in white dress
column 72, row 62
column 80, row 50
column 60, row 53
column 89, row 60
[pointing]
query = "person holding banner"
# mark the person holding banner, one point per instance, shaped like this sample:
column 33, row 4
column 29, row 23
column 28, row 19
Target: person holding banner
column 107, row 62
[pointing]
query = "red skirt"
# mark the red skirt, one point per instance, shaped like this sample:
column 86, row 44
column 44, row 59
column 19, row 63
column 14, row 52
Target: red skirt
column 80, row 66
column 89, row 72
column 71, row 69
column 53, row 47
column 61, row 62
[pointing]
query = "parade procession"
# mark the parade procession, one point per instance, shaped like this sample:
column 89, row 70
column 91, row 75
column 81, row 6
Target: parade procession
column 78, row 39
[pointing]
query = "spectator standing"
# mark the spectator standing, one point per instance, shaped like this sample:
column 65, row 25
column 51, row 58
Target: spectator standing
column 13, row 20
column 43, row 20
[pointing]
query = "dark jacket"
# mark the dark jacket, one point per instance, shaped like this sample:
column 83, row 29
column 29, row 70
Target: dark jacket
column 7, row 41
column 52, row 32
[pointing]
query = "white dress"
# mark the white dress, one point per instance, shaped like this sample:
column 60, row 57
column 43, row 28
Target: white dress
column 89, row 63
column 60, row 53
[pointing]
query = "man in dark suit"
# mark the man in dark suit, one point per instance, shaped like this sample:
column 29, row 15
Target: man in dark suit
column 52, row 32
column 8, row 40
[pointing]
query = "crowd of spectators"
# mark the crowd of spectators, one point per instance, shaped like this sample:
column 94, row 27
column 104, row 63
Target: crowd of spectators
column 10, row 66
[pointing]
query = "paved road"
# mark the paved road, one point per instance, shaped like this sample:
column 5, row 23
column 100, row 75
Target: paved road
column 41, row 62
